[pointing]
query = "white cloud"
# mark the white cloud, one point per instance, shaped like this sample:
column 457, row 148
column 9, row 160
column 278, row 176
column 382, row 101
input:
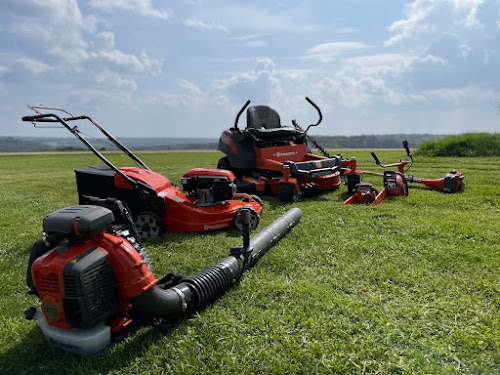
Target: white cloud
column 382, row 64
column 432, row 18
column 413, row 24
column 3, row 69
column 60, row 42
column 463, row 95
column 469, row 7
column 327, row 52
column 104, row 41
column 143, row 7
column 464, row 50
column 201, row 25
column 60, row 27
column 251, row 40
column 111, row 80
column 33, row 66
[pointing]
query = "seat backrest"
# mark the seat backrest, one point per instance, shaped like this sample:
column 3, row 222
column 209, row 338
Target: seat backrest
column 262, row 116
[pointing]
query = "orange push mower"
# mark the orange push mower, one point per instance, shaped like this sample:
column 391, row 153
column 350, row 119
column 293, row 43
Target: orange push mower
column 395, row 183
column 208, row 202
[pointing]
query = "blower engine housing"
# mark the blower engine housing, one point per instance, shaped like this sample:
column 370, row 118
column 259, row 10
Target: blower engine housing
column 84, row 284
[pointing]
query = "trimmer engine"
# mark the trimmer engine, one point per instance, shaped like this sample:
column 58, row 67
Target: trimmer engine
column 453, row 182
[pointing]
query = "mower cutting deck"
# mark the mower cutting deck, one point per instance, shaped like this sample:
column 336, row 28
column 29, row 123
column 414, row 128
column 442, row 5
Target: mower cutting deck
column 208, row 202
column 267, row 157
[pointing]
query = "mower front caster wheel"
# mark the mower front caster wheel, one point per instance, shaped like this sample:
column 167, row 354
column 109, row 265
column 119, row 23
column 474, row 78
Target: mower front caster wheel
column 256, row 198
column 149, row 225
column 288, row 193
column 254, row 219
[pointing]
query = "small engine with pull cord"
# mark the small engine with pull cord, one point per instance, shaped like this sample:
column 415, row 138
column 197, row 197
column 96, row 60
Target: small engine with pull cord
column 93, row 283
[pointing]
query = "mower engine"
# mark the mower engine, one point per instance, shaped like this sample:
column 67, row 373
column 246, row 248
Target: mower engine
column 209, row 186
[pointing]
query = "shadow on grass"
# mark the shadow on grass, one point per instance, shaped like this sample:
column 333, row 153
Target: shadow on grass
column 33, row 355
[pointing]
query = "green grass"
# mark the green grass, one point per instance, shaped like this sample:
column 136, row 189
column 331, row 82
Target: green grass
column 409, row 287
column 468, row 144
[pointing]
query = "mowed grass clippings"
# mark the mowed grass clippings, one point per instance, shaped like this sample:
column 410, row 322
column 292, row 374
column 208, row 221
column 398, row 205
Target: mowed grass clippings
column 408, row 287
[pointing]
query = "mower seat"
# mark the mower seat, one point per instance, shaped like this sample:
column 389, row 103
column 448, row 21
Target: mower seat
column 263, row 123
column 314, row 168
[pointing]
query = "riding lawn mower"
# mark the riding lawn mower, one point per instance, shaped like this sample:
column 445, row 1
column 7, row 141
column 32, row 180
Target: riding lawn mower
column 209, row 202
column 95, row 284
column 267, row 157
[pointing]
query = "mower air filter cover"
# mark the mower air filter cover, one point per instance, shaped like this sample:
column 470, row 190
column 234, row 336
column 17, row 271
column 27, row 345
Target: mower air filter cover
column 78, row 221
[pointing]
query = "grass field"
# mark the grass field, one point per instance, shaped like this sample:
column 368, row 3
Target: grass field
column 409, row 287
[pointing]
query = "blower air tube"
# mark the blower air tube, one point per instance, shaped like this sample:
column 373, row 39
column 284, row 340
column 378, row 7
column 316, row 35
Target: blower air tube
column 204, row 287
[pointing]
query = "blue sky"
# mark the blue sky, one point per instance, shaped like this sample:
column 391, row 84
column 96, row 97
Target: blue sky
column 183, row 68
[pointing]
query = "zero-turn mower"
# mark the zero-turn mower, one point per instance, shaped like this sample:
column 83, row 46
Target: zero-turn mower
column 267, row 157
column 94, row 280
column 208, row 202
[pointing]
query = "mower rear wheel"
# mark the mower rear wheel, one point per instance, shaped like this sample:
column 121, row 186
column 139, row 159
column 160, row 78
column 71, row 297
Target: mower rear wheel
column 225, row 164
column 254, row 218
column 288, row 193
column 148, row 225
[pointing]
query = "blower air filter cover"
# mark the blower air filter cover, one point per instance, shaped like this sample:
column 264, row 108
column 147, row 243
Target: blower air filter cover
column 78, row 221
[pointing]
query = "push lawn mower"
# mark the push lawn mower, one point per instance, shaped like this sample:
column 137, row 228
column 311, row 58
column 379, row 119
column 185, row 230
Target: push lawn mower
column 395, row 183
column 94, row 284
column 267, row 157
column 155, row 203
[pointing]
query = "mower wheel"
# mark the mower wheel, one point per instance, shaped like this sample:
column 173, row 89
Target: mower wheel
column 288, row 193
column 148, row 225
column 256, row 198
column 224, row 164
column 254, row 218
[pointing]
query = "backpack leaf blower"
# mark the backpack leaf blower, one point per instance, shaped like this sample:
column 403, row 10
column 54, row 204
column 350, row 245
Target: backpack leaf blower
column 93, row 284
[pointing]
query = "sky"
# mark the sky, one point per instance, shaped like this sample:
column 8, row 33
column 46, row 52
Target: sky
column 184, row 68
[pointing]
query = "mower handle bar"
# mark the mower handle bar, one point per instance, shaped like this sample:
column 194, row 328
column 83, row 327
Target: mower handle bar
column 52, row 117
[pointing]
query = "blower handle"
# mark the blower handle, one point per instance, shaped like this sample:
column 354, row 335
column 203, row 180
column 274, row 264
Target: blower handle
column 239, row 114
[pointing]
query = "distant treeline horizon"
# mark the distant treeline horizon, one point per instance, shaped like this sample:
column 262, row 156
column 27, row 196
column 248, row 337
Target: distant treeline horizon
column 35, row 144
